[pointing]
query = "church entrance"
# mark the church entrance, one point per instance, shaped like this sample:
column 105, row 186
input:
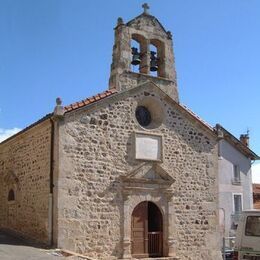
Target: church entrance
column 147, row 230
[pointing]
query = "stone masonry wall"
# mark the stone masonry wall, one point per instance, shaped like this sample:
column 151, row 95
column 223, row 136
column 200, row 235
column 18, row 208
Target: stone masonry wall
column 146, row 30
column 97, row 147
column 25, row 168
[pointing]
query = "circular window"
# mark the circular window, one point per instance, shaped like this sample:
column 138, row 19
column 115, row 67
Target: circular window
column 143, row 115
column 149, row 113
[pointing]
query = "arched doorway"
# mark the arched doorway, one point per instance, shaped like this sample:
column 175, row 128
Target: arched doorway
column 147, row 230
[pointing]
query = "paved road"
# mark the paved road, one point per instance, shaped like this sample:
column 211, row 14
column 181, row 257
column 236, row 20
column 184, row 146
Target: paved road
column 15, row 249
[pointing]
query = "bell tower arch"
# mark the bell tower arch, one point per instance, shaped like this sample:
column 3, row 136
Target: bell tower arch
column 152, row 60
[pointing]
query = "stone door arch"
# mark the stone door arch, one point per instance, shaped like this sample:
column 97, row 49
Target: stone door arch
column 151, row 183
column 146, row 230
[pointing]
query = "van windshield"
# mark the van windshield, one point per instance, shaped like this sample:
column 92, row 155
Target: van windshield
column 253, row 226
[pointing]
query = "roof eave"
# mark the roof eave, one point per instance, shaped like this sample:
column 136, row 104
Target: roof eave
column 238, row 144
column 48, row 116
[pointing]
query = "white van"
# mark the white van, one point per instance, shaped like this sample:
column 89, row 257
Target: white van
column 247, row 243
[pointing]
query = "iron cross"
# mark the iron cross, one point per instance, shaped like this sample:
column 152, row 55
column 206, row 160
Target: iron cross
column 146, row 7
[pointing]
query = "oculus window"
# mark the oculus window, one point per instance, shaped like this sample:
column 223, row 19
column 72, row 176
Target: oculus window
column 143, row 116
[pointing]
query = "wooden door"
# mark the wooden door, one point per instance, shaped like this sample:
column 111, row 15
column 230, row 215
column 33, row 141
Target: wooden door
column 155, row 228
column 140, row 230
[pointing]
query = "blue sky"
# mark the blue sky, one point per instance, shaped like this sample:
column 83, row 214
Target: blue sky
column 51, row 48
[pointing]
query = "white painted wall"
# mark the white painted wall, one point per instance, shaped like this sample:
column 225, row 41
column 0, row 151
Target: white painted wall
column 228, row 157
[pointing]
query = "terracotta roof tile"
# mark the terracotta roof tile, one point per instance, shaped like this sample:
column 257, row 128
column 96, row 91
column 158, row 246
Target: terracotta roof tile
column 110, row 92
column 90, row 100
column 81, row 104
column 97, row 97
column 102, row 95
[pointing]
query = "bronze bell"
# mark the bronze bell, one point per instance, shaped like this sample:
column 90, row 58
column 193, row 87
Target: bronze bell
column 136, row 56
column 153, row 62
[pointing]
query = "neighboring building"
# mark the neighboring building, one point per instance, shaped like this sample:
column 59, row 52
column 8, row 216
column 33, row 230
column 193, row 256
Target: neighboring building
column 256, row 196
column 127, row 173
column 235, row 179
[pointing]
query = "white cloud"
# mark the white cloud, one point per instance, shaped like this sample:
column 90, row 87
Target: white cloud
column 5, row 133
column 256, row 173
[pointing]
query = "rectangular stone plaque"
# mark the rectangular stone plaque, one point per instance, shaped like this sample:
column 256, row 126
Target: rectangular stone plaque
column 148, row 147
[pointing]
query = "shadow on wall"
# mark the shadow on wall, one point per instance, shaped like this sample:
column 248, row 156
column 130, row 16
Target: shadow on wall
column 8, row 237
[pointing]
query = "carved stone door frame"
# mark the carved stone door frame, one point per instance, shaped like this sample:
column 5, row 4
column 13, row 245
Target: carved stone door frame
column 139, row 231
column 146, row 230
column 149, row 182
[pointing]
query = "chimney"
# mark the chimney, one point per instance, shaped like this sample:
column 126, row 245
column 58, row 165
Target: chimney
column 244, row 139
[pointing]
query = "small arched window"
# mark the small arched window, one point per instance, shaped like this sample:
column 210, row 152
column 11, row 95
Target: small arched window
column 11, row 196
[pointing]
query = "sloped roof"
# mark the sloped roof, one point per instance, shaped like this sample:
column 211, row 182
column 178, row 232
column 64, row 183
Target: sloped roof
column 110, row 92
column 48, row 116
column 98, row 97
column 237, row 143
column 68, row 108
column 90, row 100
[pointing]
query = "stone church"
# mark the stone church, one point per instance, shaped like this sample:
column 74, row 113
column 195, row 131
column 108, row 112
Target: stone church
column 128, row 173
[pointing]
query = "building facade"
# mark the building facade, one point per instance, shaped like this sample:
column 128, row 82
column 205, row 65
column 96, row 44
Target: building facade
column 235, row 179
column 128, row 173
